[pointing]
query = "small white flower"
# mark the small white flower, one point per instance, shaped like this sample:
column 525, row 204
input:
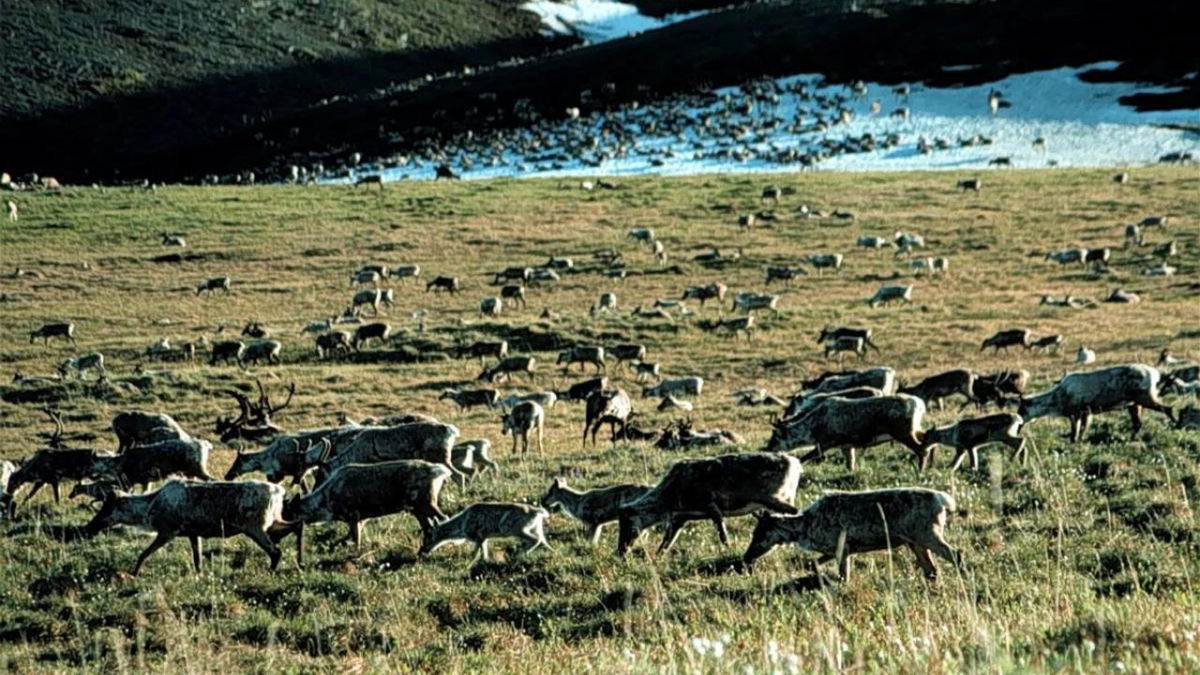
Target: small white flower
column 718, row 649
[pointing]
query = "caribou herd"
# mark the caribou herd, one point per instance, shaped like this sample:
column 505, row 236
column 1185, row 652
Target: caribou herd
column 355, row 471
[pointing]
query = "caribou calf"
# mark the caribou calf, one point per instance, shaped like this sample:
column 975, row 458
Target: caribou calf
column 783, row 273
column 713, row 291
column 1050, row 343
column 968, row 435
column 262, row 350
column 524, row 417
column 479, row 523
column 513, row 295
column 1000, row 387
column 472, row 458
column 731, row 327
column 593, row 508
column 135, row 427
column 748, row 302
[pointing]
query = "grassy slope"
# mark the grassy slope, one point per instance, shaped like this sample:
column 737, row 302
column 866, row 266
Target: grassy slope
column 1084, row 557
column 128, row 47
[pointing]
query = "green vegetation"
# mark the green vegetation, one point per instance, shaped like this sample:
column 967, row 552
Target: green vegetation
column 66, row 54
column 1084, row 559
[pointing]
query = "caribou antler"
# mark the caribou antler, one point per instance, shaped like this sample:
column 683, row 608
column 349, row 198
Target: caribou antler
column 243, row 407
column 254, row 419
column 54, row 440
column 265, row 401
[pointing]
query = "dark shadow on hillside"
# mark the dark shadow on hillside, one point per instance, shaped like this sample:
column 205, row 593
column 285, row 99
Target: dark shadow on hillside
column 142, row 134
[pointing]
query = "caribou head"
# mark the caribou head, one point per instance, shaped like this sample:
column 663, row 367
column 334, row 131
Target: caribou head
column 253, row 422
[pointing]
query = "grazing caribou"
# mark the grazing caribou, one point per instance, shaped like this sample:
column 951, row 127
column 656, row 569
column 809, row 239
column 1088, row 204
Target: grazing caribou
column 1079, row 395
column 713, row 489
column 607, row 405
column 845, row 423
column 839, row 524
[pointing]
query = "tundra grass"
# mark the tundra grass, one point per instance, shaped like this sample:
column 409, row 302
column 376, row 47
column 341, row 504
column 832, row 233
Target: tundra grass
column 1083, row 559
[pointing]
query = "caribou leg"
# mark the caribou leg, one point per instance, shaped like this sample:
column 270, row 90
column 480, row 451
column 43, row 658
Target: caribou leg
column 1086, row 424
column 1164, row 409
column 1135, row 420
column 36, row 487
column 196, row 551
column 813, row 454
column 159, row 541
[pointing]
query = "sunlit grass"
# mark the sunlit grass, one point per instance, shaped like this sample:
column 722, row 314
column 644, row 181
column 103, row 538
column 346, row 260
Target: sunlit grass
column 1083, row 558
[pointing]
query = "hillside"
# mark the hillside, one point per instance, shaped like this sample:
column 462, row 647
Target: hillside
column 184, row 88
column 151, row 72
column 71, row 53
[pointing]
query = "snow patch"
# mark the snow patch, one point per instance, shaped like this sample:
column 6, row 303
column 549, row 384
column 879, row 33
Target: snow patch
column 1082, row 123
column 597, row 20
